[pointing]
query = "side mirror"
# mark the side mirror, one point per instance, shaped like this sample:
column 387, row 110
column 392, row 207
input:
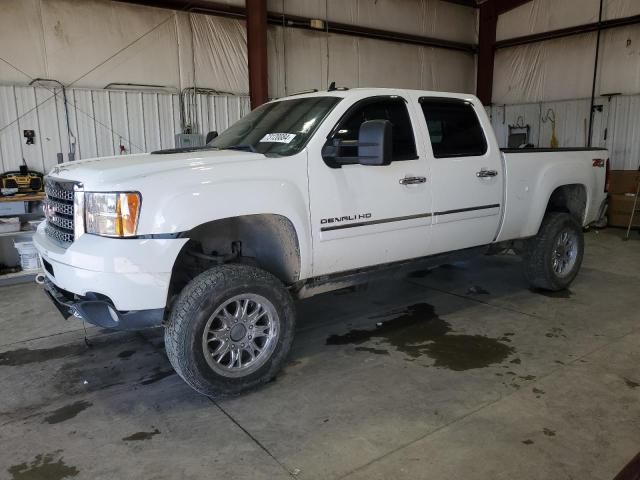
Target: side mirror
column 211, row 136
column 375, row 142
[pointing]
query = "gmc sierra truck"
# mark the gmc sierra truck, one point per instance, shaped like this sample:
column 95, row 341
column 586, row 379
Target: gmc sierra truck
column 305, row 194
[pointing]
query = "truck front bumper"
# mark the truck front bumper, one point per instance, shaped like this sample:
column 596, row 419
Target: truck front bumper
column 114, row 283
column 100, row 311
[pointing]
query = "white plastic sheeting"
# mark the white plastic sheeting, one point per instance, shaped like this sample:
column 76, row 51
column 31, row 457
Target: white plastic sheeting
column 100, row 121
column 67, row 40
column 616, row 127
column 301, row 60
column 545, row 71
column 92, row 43
column 433, row 18
column 540, row 16
column 563, row 68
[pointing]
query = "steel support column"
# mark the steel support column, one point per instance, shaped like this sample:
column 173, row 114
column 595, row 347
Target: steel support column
column 257, row 51
column 488, row 23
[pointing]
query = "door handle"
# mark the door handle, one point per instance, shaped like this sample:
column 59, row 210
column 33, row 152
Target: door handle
column 486, row 173
column 412, row 180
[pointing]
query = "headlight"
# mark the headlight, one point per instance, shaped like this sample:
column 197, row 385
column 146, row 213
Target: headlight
column 112, row 214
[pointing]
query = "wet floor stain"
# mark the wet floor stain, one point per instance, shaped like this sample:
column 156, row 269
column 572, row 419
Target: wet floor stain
column 43, row 467
column 67, row 412
column 25, row 356
column 156, row 377
column 420, row 274
column 477, row 290
column 418, row 331
column 548, row 432
column 141, row 436
column 555, row 332
column 345, row 291
column 375, row 351
column 550, row 294
column 453, row 266
column 631, row 383
column 528, row 442
column 126, row 354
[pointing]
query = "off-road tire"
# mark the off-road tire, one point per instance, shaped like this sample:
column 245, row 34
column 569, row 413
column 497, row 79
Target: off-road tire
column 538, row 261
column 195, row 305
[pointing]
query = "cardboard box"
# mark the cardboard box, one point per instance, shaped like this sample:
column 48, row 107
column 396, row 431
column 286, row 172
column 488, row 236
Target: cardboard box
column 620, row 208
column 623, row 181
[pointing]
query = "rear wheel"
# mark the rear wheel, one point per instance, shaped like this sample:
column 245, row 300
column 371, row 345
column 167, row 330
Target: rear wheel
column 230, row 330
column 554, row 256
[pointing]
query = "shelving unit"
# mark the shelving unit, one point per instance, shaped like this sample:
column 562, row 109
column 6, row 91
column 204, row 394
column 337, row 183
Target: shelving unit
column 7, row 252
column 18, row 277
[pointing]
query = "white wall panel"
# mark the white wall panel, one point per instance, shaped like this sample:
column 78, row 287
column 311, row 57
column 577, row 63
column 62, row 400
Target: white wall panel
column 543, row 15
column 433, row 18
column 79, row 36
column 619, row 64
column 615, row 128
column 304, row 60
column 545, row 71
column 624, row 125
column 100, row 120
column 22, row 42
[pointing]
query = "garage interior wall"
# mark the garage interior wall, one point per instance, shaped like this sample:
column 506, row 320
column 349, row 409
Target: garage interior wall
column 197, row 67
column 534, row 82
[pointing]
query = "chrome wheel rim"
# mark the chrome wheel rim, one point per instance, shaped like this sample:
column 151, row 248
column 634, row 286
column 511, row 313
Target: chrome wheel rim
column 241, row 335
column 565, row 253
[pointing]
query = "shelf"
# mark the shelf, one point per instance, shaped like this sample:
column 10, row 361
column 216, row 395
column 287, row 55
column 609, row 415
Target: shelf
column 18, row 277
column 34, row 197
column 18, row 233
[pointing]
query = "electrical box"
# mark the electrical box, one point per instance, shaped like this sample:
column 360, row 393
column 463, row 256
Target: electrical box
column 186, row 140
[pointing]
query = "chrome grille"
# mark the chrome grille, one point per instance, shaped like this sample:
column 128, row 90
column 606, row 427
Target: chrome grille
column 58, row 207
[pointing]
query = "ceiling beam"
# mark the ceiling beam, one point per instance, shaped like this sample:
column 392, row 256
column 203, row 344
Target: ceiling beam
column 464, row 3
column 570, row 31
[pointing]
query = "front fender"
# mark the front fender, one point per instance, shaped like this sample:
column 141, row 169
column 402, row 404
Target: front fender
column 271, row 186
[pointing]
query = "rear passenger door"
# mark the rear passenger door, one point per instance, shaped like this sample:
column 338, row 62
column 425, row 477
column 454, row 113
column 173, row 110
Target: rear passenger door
column 466, row 174
column 363, row 215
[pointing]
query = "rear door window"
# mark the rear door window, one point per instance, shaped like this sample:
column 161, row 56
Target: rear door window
column 454, row 128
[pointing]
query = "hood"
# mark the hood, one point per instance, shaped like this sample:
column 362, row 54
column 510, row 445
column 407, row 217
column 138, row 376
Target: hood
column 110, row 172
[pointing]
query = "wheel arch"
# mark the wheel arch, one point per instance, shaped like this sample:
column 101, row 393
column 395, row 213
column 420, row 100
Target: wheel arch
column 570, row 198
column 269, row 241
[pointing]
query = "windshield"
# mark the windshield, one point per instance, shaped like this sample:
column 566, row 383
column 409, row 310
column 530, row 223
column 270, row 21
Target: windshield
column 277, row 128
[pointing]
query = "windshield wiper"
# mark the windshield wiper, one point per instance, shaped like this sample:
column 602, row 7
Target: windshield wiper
column 243, row 148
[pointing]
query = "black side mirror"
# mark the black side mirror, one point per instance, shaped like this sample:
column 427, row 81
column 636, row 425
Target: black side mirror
column 375, row 142
column 211, row 136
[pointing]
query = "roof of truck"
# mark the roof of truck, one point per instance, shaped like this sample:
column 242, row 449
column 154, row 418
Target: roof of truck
column 366, row 92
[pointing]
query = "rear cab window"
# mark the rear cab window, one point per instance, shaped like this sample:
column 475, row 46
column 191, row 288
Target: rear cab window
column 454, row 127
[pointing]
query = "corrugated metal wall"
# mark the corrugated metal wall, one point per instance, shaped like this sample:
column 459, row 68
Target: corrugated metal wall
column 99, row 122
column 616, row 127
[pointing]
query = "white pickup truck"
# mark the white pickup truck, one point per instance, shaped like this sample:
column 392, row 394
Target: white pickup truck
column 305, row 194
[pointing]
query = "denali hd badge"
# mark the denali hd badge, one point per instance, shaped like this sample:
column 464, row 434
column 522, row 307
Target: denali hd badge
column 346, row 218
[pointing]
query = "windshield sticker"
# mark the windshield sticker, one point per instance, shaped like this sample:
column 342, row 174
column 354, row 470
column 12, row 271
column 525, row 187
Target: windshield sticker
column 278, row 137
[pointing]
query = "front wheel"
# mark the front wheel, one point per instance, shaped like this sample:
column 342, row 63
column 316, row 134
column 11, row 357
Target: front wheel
column 554, row 256
column 230, row 330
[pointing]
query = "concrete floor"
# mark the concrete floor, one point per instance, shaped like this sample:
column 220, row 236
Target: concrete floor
column 458, row 373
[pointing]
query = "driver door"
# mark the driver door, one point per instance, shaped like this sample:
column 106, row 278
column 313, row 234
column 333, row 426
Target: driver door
column 364, row 215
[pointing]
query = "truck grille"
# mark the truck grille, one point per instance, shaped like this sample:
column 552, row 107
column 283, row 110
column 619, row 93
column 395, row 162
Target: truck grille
column 58, row 207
